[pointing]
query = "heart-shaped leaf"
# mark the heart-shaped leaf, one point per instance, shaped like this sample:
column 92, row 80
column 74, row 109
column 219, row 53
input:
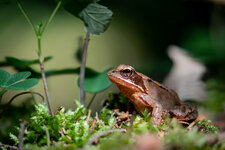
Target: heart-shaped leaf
column 16, row 81
column 96, row 18
column 95, row 81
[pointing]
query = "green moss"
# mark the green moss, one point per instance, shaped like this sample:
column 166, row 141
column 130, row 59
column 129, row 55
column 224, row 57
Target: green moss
column 73, row 129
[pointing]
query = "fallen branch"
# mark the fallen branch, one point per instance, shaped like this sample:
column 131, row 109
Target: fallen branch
column 9, row 146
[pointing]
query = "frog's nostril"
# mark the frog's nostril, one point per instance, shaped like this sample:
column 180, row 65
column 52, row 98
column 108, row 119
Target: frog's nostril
column 114, row 71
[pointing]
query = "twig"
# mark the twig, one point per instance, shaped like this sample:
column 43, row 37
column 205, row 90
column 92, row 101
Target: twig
column 93, row 127
column 131, row 123
column 104, row 133
column 22, row 125
column 11, row 100
column 48, row 136
column 92, row 99
column 96, row 116
column 88, row 116
column 9, row 146
column 82, row 68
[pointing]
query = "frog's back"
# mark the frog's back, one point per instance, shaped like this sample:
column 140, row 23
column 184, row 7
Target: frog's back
column 165, row 96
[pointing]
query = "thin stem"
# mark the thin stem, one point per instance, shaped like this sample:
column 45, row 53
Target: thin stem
column 47, row 135
column 51, row 17
column 39, row 47
column 11, row 100
column 92, row 99
column 82, row 68
column 26, row 16
column 22, row 126
column 131, row 123
column 1, row 94
column 47, row 95
column 41, row 61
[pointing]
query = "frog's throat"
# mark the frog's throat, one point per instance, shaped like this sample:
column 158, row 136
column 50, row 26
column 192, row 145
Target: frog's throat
column 126, row 83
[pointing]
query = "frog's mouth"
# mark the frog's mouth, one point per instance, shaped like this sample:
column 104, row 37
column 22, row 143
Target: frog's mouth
column 116, row 78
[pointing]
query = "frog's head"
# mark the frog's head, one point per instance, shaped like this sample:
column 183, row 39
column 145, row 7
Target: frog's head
column 126, row 78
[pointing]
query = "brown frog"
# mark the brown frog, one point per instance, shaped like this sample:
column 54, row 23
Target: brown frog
column 146, row 93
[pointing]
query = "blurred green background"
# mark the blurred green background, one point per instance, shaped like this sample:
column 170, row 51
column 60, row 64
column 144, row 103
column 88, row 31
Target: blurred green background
column 138, row 35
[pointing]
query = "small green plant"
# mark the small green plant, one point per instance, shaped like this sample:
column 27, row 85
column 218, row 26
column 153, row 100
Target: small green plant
column 17, row 81
column 96, row 19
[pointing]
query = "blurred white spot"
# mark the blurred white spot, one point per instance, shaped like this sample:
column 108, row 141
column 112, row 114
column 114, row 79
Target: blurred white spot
column 185, row 75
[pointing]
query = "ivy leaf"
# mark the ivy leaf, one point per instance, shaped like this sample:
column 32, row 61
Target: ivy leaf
column 16, row 81
column 95, row 81
column 96, row 18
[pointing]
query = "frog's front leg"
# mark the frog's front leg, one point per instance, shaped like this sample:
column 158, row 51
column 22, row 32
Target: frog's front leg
column 143, row 101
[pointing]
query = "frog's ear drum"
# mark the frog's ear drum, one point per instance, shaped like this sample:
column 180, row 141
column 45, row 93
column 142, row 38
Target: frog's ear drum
column 127, row 72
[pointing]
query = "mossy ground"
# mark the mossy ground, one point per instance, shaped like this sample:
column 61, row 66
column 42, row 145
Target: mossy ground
column 113, row 129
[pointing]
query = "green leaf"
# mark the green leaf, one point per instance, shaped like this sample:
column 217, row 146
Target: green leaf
column 17, row 63
column 4, row 77
column 24, row 85
column 96, row 18
column 17, row 77
column 16, row 81
column 24, row 63
column 95, row 82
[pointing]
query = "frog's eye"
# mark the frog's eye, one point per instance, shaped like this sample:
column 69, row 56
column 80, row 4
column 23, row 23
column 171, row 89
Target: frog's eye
column 127, row 72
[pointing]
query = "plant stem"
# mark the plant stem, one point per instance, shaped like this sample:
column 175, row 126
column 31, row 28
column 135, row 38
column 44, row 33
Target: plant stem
column 92, row 99
column 26, row 16
column 1, row 94
column 47, row 135
column 22, row 126
column 47, row 95
column 41, row 61
column 51, row 17
column 82, row 68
